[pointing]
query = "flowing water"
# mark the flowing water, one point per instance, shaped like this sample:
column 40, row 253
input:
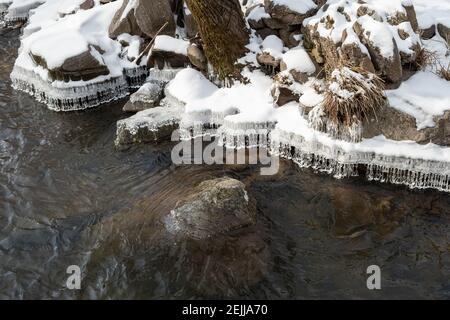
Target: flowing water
column 67, row 197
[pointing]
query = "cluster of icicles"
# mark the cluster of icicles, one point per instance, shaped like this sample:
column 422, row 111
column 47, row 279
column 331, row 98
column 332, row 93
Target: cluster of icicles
column 77, row 95
column 414, row 173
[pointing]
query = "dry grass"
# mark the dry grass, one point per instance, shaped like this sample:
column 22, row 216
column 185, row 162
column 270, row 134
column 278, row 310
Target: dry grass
column 424, row 58
column 444, row 72
column 352, row 95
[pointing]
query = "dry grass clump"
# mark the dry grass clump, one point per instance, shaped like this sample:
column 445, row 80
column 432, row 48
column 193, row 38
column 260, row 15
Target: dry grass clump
column 424, row 58
column 444, row 72
column 352, row 95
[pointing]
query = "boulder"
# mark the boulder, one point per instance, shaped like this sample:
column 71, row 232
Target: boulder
column 411, row 15
column 266, row 32
column 288, row 16
column 397, row 125
column 142, row 18
column 168, row 51
column 428, row 33
column 151, row 125
column 213, row 208
column 190, row 25
column 148, row 96
column 81, row 67
column 152, row 15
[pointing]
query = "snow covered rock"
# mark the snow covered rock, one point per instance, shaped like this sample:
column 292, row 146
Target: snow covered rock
column 290, row 12
column 397, row 125
column 148, row 96
column 83, row 66
column 374, row 35
column 299, row 64
column 169, row 52
column 151, row 125
column 141, row 17
column 214, row 207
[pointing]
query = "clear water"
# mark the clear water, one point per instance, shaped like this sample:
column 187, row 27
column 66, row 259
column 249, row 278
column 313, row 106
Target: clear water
column 68, row 197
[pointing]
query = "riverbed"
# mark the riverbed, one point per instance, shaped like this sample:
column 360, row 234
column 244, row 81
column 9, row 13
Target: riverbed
column 68, row 197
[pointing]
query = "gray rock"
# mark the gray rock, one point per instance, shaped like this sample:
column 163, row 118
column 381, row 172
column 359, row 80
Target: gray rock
column 265, row 32
column 190, row 25
column 282, row 95
column 150, row 125
column 214, row 207
column 144, row 18
column 148, row 96
column 396, row 125
column 428, row 33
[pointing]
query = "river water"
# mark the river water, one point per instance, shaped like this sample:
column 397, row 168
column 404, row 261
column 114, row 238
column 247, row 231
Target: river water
column 67, row 197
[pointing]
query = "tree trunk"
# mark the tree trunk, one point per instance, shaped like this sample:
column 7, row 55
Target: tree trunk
column 223, row 31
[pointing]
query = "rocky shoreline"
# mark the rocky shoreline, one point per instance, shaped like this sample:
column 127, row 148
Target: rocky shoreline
column 300, row 60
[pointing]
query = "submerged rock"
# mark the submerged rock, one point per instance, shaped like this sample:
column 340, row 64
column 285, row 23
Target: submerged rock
column 150, row 125
column 214, row 207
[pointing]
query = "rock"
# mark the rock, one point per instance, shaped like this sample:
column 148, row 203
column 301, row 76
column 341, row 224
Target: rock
column 389, row 68
column 152, row 15
column 287, row 16
column 254, row 16
column 411, row 16
column 428, row 33
column 265, row 32
column 197, row 57
column 143, row 18
column 87, row 4
column 273, row 23
column 148, row 96
column 150, row 125
column 397, row 125
column 353, row 54
column 81, row 67
column 300, row 77
column 168, row 51
column 124, row 24
column 190, row 25
column 444, row 32
column 268, row 61
column 214, row 207
column 282, row 95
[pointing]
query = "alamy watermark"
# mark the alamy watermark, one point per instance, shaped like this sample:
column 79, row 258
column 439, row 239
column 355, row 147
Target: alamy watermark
column 194, row 151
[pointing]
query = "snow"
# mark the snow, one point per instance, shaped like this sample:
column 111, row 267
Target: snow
column 298, row 59
column 190, row 85
column 273, row 46
column 258, row 13
column 170, row 44
column 424, row 96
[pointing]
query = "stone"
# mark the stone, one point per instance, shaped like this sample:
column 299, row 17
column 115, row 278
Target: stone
column 444, row 32
column 145, row 18
column 285, row 15
column 282, row 95
column 273, row 23
column 148, row 96
column 190, row 25
column 152, row 15
column 428, row 33
column 213, row 208
column 265, row 32
column 397, row 125
column 411, row 16
column 81, row 67
column 161, row 59
column 151, row 125
column 265, row 59
column 389, row 68
column 87, row 4
column 127, row 24
column 197, row 57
